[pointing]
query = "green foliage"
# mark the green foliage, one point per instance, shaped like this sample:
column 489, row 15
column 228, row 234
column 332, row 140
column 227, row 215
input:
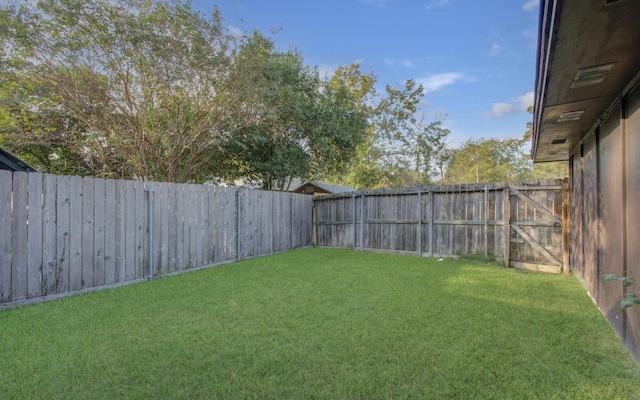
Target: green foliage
column 323, row 324
column 152, row 88
column 145, row 80
column 492, row 160
column 487, row 160
column 549, row 170
column 303, row 127
column 546, row 170
column 626, row 280
column 412, row 143
column 629, row 299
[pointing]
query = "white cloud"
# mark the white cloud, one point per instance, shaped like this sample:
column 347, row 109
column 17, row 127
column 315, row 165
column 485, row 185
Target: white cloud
column 501, row 110
column 530, row 5
column 437, row 82
column 516, row 105
column 437, row 4
column 526, row 100
column 495, row 49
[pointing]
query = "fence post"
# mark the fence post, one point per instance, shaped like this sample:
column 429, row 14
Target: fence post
column 486, row 221
column 291, row 227
column 353, row 221
column 238, row 224
column 150, row 191
column 431, row 212
column 419, row 235
column 362, row 204
column 507, row 225
column 314, row 222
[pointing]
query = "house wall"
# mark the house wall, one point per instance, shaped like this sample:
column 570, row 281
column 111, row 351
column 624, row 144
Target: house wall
column 605, row 214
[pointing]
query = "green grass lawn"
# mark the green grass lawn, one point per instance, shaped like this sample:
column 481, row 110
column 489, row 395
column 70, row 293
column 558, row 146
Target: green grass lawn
column 319, row 323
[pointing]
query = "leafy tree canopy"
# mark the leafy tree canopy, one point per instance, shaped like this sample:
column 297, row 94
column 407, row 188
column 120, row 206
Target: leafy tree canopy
column 154, row 89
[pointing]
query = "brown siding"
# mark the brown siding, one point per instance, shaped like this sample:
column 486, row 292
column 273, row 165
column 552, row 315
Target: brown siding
column 633, row 215
column 610, row 254
column 577, row 251
column 590, row 215
column 605, row 215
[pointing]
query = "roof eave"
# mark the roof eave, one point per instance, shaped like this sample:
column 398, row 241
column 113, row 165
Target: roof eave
column 546, row 31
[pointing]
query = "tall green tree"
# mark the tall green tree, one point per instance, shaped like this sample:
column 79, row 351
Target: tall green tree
column 303, row 127
column 146, row 81
column 363, row 170
column 488, row 160
column 412, row 142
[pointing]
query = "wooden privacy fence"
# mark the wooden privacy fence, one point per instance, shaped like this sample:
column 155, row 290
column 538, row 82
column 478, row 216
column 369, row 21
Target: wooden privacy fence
column 62, row 234
column 521, row 224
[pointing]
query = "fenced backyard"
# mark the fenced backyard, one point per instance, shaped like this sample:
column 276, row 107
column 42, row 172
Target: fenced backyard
column 523, row 224
column 61, row 234
column 324, row 323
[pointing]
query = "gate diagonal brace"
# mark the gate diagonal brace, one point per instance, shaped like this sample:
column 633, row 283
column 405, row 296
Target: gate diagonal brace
column 535, row 244
column 537, row 206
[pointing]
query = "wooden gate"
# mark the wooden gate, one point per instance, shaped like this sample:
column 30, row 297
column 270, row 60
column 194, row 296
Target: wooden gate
column 538, row 228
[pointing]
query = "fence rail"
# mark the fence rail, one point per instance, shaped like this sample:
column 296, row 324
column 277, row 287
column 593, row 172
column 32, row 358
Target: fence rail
column 521, row 224
column 62, row 234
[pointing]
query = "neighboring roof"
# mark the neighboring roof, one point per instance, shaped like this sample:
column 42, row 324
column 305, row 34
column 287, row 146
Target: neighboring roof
column 13, row 163
column 296, row 184
column 578, row 40
column 333, row 189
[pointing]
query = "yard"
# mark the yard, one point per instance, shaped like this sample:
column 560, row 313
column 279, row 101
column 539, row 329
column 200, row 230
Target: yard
column 320, row 323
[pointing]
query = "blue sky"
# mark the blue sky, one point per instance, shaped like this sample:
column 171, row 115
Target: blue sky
column 475, row 59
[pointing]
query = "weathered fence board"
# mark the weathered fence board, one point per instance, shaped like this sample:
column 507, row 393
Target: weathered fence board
column 19, row 243
column 61, row 234
column 88, row 198
column 164, row 229
column 6, row 179
column 119, row 255
column 519, row 223
column 49, row 263
column 110, row 232
column 75, row 232
column 34, row 236
column 100, row 224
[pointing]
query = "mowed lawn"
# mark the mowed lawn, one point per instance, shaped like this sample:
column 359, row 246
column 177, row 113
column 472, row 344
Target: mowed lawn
column 321, row 324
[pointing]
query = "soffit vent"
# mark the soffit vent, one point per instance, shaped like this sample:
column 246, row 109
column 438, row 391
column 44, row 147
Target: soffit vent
column 591, row 75
column 559, row 141
column 571, row 116
column 608, row 2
